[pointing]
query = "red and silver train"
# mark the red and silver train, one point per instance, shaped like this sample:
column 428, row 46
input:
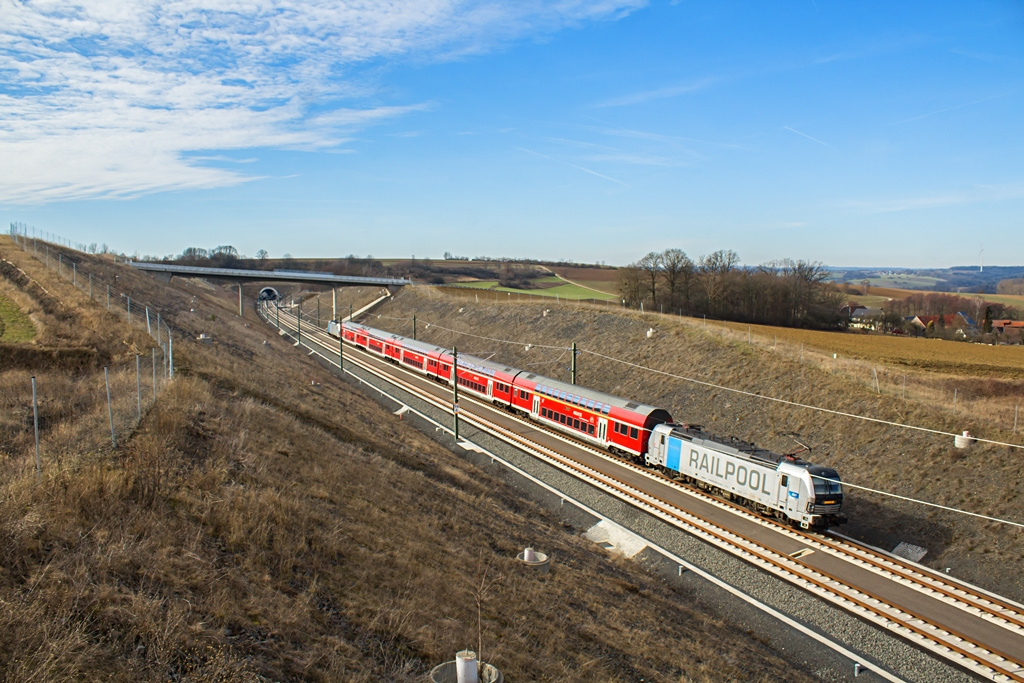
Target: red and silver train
column 616, row 424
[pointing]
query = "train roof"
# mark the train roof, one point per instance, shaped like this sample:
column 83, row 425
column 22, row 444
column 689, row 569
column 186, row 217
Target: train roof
column 555, row 385
column 733, row 445
column 466, row 361
column 545, row 385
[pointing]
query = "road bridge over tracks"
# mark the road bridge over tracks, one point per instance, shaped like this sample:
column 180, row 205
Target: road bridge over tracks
column 241, row 275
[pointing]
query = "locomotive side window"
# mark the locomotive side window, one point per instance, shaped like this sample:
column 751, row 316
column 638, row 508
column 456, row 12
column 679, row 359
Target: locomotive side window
column 575, row 424
column 785, row 480
column 590, row 429
column 633, row 433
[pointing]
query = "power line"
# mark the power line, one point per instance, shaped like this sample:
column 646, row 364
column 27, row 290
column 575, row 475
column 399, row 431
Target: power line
column 742, row 392
column 799, row 405
column 921, row 502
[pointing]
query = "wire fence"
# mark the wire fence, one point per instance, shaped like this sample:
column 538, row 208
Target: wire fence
column 62, row 410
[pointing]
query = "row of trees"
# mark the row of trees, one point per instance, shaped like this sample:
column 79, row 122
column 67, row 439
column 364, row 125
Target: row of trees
column 1011, row 286
column 786, row 292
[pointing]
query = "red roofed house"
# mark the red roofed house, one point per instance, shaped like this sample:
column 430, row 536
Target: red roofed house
column 1011, row 331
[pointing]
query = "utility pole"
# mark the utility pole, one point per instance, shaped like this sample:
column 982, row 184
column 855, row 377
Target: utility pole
column 455, row 389
column 573, row 366
column 414, row 326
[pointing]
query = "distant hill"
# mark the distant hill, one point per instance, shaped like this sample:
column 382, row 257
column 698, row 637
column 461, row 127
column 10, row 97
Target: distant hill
column 962, row 279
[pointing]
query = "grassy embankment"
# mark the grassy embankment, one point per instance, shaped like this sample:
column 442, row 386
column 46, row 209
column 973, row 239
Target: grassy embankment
column 15, row 325
column 550, row 287
column 984, row 479
column 267, row 522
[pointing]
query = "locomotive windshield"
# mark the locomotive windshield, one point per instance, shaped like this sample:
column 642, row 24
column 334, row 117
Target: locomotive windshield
column 826, row 481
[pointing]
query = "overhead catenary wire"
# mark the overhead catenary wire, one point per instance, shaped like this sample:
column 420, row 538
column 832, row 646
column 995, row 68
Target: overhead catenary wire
column 493, row 339
column 565, row 350
column 920, row 502
column 797, row 404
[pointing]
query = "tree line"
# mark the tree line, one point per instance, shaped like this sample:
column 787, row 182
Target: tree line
column 785, row 292
column 931, row 303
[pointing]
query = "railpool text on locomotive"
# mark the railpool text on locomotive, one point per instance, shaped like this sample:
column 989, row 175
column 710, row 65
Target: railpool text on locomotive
column 751, row 478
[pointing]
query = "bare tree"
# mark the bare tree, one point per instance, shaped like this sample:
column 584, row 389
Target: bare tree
column 631, row 285
column 677, row 273
column 651, row 265
column 262, row 255
column 715, row 270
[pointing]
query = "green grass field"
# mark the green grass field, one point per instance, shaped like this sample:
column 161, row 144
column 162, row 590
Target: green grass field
column 553, row 290
column 15, row 326
column 1015, row 300
column 905, row 281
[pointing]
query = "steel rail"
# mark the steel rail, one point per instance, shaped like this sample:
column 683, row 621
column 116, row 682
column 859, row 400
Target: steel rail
column 983, row 660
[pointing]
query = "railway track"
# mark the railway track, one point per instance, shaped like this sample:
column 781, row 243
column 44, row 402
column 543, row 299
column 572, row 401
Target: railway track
column 980, row 632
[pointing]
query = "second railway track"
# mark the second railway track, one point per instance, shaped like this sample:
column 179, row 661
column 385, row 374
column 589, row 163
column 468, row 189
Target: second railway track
column 977, row 631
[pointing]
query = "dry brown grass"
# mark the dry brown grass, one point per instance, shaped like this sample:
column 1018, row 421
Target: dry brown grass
column 258, row 527
column 984, row 479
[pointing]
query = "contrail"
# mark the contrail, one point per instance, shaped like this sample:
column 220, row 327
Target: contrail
column 941, row 111
column 579, row 168
column 794, row 130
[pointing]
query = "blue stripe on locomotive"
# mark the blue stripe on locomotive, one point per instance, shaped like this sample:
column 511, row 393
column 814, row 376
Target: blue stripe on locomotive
column 674, row 453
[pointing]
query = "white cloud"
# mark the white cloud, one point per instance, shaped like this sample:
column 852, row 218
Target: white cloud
column 106, row 98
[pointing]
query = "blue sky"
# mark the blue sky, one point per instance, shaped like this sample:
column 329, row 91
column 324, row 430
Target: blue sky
column 853, row 133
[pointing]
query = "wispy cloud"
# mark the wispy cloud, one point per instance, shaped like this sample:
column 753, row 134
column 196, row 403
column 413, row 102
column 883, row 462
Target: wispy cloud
column 812, row 139
column 108, row 98
column 576, row 166
column 658, row 93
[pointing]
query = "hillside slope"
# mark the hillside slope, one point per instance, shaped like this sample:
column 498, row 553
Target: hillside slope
column 985, row 479
column 268, row 522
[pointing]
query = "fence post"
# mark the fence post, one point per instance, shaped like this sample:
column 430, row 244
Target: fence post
column 149, row 328
column 74, row 274
column 158, row 342
column 108, row 297
column 138, row 386
column 154, row 373
column 35, row 422
column 170, row 353
column 110, row 409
